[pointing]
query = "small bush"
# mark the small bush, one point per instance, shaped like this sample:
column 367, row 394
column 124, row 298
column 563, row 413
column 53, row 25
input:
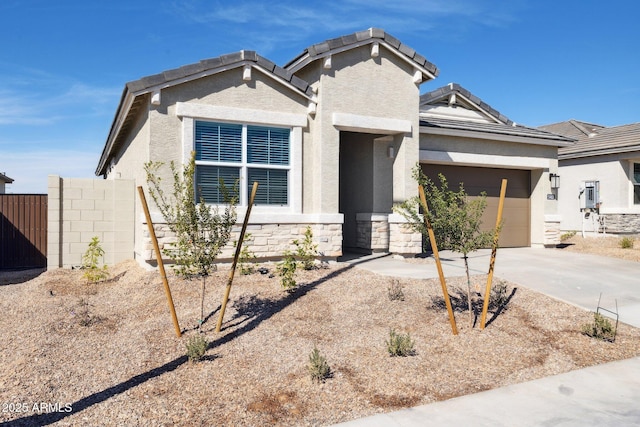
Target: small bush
column 400, row 344
column 626, row 243
column 395, row 291
column 287, row 271
column 601, row 328
column 499, row 295
column 247, row 259
column 318, row 367
column 196, row 348
column 90, row 259
column 306, row 250
column 566, row 236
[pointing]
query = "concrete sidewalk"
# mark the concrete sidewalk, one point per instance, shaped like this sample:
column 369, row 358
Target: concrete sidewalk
column 603, row 395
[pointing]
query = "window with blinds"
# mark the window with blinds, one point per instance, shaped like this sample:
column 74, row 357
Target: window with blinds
column 228, row 153
column 636, row 183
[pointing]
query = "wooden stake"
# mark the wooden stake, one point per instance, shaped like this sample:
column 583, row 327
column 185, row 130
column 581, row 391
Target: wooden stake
column 163, row 274
column 237, row 255
column 494, row 250
column 436, row 255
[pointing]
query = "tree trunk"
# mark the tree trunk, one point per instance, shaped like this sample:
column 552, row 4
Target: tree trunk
column 466, row 266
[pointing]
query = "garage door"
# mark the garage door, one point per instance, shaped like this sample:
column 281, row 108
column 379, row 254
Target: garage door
column 516, row 230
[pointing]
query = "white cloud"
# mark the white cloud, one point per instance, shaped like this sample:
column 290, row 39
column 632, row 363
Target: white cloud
column 33, row 97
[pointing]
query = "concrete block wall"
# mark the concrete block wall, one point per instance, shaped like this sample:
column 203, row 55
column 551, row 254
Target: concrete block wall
column 80, row 209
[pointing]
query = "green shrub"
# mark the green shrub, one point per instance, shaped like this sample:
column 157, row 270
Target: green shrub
column 306, row 250
column 287, row 271
column 196, row 348
column 499, row 295
column 400, row 344
column 395, row 291
column 92, row 272
column 247, row 259
column 601, row 328
column 566, row 236
column 626, row 243
column 318, row 367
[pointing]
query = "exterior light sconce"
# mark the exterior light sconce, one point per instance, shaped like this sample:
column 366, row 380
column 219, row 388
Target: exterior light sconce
column 555, row 180
column 391, row 152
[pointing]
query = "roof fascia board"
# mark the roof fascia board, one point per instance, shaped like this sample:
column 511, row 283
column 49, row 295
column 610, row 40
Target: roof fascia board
column 119, row 120
column 493, row 136
column 595, row 153
column 307, row 59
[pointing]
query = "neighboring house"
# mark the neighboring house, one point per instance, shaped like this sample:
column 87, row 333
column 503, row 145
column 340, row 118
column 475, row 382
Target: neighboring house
column 600, row 175
column 4, row 180
column 332, row 138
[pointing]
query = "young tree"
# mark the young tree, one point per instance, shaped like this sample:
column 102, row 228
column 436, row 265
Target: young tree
column 201, row 230
column 455, row 219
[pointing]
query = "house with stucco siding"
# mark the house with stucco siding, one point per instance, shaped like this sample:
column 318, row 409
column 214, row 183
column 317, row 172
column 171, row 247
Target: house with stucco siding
column 331, row 137
column 600, row 175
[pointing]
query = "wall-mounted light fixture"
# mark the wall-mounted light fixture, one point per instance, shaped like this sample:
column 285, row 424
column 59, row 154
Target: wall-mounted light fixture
column 391, row 152
column 555, row 180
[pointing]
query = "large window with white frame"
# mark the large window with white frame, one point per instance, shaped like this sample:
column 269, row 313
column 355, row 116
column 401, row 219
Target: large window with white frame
column 227, row 153
column 635, row 178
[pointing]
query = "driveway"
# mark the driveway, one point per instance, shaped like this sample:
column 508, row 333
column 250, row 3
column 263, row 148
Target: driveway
column 579, row 279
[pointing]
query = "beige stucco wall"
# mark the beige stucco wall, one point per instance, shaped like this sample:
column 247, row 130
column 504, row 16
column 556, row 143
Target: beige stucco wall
column 616, row 190
column 358, row 84
column 80, row 209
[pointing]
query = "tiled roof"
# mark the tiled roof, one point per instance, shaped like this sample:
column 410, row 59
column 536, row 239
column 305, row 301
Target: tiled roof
column 4, row 178
column 605, row 140
column 210, row 66
column 137, row 90
column 361, row 37
column 445, row 92
column 495, row 129
column 572, row 128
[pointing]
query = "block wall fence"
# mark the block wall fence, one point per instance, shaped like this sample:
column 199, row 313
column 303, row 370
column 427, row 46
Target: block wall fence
column 80, row 209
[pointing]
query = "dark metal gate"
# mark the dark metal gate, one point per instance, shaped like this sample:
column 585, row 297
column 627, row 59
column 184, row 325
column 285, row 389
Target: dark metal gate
column 23, row 231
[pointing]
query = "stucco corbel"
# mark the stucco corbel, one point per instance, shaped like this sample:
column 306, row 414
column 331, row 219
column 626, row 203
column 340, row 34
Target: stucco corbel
column 375, row 50
column 155, row 97
column 246, row 73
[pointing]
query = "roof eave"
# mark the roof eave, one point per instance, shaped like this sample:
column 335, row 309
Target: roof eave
column 493, row 136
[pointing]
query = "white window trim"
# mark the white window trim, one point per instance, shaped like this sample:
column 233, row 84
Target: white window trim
column 250, row 117
column 634, row 206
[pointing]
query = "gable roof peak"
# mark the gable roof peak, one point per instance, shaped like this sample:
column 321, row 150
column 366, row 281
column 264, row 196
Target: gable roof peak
column 455, row 94
column 360, row 38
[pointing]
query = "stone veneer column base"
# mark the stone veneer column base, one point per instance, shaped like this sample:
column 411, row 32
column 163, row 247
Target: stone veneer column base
column 402, row 239
column 372, row 232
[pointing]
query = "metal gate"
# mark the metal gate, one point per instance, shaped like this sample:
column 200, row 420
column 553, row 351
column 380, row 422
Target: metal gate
column 23, row 231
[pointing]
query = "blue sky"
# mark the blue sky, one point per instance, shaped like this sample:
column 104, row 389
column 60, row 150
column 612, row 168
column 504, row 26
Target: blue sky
column 64, row 63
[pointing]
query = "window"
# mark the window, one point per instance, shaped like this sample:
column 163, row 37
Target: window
column 226, row 153
column 636, row 183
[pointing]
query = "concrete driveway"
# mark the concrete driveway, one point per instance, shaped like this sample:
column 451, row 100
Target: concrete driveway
column 578, row 279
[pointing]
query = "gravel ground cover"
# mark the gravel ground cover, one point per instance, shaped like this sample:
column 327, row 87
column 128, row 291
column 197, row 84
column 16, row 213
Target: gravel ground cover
column 106, row 354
